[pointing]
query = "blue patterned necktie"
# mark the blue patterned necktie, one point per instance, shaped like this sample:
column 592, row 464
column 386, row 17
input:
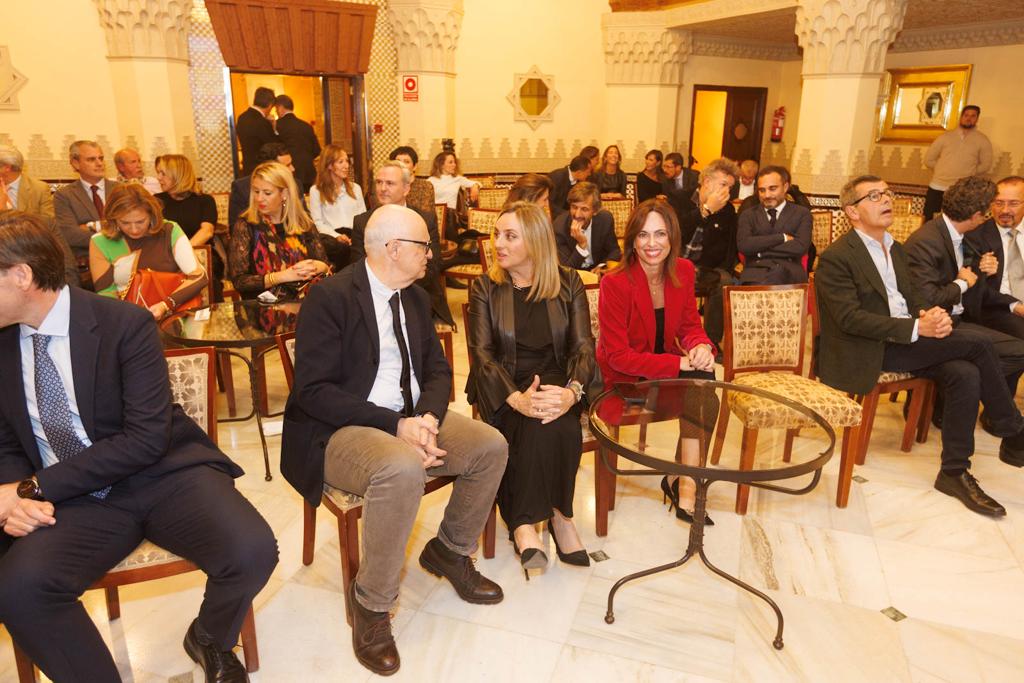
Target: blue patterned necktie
column 54, row 411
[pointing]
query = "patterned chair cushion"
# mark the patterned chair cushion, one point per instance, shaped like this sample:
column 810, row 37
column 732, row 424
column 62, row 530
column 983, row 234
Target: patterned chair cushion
column 761, row 413
column 766, row 327
column 593, row 294
column 483, row 220
column 620, row 209
column 148, row 554
column 894, row 377
column 188, row 376
column 465, row 270
column 492, row 197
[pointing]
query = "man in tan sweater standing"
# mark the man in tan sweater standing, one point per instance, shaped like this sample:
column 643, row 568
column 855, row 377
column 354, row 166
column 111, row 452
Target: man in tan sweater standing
column 956, row 154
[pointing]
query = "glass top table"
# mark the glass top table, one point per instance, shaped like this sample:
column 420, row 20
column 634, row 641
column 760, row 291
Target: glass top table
column 666, row 427
column 237, row 325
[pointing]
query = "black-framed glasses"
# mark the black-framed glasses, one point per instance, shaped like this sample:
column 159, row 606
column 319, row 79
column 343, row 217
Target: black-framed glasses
column 875, row 196
column 425, row 245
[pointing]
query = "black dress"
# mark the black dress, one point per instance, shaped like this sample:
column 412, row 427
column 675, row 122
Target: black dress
column 190, row 212
column 542, row 458
column 614, row 182
column 646, row 188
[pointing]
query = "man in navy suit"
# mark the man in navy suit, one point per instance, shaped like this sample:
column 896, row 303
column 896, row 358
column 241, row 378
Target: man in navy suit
column 586, row 235
column 776, row 235
column 94, row 458
column 254, row 129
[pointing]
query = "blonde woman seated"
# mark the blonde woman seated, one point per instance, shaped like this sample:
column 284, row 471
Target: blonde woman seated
column 334, row 202
column 134, row 235
column 274, row 243
column 532, row 352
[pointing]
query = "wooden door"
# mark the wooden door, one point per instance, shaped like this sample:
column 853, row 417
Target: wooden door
column 744, row 123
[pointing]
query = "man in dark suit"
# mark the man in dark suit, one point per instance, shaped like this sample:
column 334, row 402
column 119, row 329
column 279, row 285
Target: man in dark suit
column 563, row 180
column 947, row 270
column 241, row 188
column 680, row 181
column 94, row 458
column 1003, row 237
column 253, row 129
column 374, row 421
column 300, row 139
column 586, row 234
column 78, row 207
column 775, row 237
column 873, row 320
column 707, row 227
column 393, row 183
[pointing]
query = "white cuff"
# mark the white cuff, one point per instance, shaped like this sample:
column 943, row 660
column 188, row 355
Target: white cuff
column 962, row 284
column 913, row 336
column 583, row 252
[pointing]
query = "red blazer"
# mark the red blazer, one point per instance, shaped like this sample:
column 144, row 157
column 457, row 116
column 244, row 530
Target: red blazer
column 625, row 347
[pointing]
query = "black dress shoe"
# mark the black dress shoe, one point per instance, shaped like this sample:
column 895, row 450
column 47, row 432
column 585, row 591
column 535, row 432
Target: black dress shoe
column 577, row 558
column 986, row 424
column 219, row 666
column 1010, row 455
column 372, row 642
column 460, row 571
column 965, row 488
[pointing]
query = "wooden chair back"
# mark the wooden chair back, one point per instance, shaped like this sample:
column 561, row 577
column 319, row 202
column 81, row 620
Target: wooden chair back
column 485, row 248
column 903, row 226
column 192, row 374
column 765, row 327
column 492, row 197
column 821, row 229
column 286, row 346
column 620, row 209
column 483, row 220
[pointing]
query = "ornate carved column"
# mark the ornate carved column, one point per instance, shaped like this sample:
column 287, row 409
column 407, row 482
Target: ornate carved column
column 426, row 37
column 147, row 48
column 643, row 70
column 844, row 44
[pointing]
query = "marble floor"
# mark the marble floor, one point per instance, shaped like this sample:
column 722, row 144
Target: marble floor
column 905, row 584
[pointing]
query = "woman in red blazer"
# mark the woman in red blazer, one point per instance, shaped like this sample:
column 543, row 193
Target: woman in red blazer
column 650, row 327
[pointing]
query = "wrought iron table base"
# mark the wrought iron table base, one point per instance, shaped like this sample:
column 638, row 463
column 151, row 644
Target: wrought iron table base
column 254, row 390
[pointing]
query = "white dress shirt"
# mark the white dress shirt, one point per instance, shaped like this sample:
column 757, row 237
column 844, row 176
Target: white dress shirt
column 339, row 214
column 446, row 188
column 882, row 258
column 56, row 325
column 747, row 190
column 100, row 187
column 958, row 252
column 387, row 387
column 588, row 259
column 1005, row 234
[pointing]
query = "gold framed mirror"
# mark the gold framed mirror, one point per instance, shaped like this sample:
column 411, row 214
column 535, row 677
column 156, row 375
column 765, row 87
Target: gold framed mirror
column 921, row 103
column 533, row 97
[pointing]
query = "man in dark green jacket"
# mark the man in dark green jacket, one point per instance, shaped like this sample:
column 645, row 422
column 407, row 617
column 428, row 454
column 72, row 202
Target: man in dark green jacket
column 872, row 320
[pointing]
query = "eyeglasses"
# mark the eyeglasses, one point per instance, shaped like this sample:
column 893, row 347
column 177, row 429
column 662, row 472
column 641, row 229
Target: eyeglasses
column 875, row 196
column 425, row 245
column 1012, row 204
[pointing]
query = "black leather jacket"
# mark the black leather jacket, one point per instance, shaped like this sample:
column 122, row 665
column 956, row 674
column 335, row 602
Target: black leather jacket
column 492, row 339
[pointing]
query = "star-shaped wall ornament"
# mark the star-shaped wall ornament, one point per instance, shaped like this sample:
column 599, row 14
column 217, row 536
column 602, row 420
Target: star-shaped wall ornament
column 533, row 97
column 11, row 80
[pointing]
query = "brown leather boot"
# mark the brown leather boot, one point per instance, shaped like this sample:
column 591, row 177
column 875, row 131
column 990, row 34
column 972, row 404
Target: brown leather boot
column 372, row 641
column 471, row 585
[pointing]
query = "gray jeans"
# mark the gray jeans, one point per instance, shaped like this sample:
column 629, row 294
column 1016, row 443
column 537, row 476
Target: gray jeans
column 389, row 474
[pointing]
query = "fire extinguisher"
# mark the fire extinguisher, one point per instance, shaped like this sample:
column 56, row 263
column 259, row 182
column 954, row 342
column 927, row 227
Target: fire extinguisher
column 778, row 123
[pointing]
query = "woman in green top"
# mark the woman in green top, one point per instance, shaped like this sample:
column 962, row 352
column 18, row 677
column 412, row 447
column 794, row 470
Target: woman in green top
column 135, row 235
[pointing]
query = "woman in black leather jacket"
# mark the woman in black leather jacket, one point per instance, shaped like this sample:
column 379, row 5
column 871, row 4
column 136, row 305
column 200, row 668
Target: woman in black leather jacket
column 532, row 354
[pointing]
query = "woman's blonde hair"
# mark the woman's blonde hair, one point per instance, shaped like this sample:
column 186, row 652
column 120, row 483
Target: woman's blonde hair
column 325, row 182
column 539, row 238
column 179, row 169
column 296, row 220
column 128, row 197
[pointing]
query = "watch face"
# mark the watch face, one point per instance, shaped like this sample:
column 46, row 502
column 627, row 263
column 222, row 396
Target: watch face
column 27, row 489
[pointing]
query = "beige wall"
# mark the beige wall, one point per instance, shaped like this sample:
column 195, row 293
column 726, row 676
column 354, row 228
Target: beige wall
column 993, row 87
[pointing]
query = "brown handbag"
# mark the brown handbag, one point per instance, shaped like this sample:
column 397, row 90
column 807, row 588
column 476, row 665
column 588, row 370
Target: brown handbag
column 149, row 287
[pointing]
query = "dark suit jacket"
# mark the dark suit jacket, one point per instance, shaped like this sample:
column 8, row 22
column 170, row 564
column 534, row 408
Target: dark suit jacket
column 626, row 349
column 253, row 130
column 603, row 245
column 719, row 235
column 771, row 260
column 933, row 267
column 72, row 207
column 337, row 352
column 300, row 139
column 854, row 312
column 493, row 335
column 984, row 239
column 559, row 196
column 124, row 397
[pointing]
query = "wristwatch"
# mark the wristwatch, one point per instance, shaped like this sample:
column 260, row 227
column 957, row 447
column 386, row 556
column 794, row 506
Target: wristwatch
column 576, row 388
column 29, row 488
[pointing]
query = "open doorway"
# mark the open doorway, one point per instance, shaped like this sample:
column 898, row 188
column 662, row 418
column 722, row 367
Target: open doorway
column 726, row 121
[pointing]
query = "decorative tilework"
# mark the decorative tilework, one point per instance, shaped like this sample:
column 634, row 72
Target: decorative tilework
column 212, row 147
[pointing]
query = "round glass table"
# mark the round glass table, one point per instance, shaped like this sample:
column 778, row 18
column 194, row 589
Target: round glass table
column 237, row 325
column 666, row 426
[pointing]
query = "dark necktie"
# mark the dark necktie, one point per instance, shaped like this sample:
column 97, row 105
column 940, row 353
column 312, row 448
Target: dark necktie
column 52, row 403
column 97, row 200
column 403, row 349
column 772, row 218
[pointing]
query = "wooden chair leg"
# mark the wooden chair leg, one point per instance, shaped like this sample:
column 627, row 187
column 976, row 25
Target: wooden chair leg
column 600, row 495
column 250, row 649
column 869, row 406
column 917, row 399
column 723, row 424
column 612, row 479
column 490, row 532
column 26, row 669
column 224, row 363
column 348, row 549
column 846, row 458
column 747, row 451
column 787, row 453
column 927, row 408
column 113, row 603
column 308, row 532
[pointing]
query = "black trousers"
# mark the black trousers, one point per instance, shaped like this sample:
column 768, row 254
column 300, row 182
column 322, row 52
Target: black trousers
column 967, row 369
column 196, row 513
column 1009, row 349
column 932, row 203
column 1005, row 322
column 709, row 283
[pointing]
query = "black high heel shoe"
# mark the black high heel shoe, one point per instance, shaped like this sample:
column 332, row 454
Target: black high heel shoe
column 671, row 494
column 531, row 558
column 577, row 558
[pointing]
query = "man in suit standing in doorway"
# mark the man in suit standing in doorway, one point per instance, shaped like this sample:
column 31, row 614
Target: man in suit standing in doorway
column 300, row 139
column 253, row 129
